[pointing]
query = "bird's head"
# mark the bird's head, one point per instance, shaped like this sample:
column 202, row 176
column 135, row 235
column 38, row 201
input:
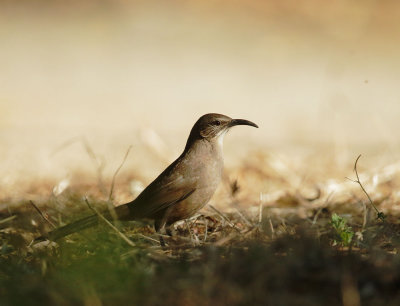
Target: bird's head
column 214, row 126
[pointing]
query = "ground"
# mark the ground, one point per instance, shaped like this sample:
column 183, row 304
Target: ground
column 311, row 245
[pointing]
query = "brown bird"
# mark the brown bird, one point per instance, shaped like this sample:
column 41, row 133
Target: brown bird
column 183, row 187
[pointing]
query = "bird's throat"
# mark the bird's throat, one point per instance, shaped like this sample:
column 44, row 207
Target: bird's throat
column 220, row 139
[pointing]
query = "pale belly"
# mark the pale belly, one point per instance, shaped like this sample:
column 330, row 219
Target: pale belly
column 191, row 205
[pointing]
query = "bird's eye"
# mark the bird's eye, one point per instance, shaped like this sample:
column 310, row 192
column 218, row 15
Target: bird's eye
column 217, row 122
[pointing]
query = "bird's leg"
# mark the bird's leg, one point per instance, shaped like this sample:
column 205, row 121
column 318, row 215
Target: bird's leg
column 162, row 242
column 160, row 227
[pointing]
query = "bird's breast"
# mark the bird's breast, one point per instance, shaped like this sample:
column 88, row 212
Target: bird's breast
column 204, row 166
column 204, row 169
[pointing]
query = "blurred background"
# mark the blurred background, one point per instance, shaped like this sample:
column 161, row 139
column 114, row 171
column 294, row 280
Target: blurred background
column 320, row 79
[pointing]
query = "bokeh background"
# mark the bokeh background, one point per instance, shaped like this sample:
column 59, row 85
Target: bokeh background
column 320, row 78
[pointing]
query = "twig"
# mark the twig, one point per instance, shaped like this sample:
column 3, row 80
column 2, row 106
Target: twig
column 272, row 228
column 260, row 209
column 380, row 215
column 98, row 162
column 65, row 145
column 196, row 237
column 190, row 233
column 8, row 219
column 243, row 217
column 126, row 239
column 116, row 172
column 364, row 217
column 314, row 221
column 43, row 216
column 225, row 218
column 205, row 230
column 148, row 238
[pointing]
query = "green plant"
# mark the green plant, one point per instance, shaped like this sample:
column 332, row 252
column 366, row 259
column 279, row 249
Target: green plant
column 344, row 233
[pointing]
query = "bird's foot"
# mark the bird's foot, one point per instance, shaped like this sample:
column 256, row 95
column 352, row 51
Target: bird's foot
column 162, row 242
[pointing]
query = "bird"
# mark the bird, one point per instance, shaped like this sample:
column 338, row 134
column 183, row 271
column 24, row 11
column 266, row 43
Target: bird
column 182, row 189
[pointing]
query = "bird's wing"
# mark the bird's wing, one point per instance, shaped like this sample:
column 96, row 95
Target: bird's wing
column 162, row 194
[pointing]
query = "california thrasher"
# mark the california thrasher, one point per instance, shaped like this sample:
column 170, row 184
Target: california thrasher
column 182, row 188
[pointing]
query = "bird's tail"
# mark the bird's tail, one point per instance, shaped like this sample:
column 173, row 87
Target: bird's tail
column 74, row 227
column 121, row 212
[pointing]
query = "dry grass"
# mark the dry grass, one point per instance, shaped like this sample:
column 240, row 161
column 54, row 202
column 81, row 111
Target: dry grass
column 271, row 245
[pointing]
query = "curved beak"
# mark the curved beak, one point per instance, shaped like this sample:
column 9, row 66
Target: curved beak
column 242, row 122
